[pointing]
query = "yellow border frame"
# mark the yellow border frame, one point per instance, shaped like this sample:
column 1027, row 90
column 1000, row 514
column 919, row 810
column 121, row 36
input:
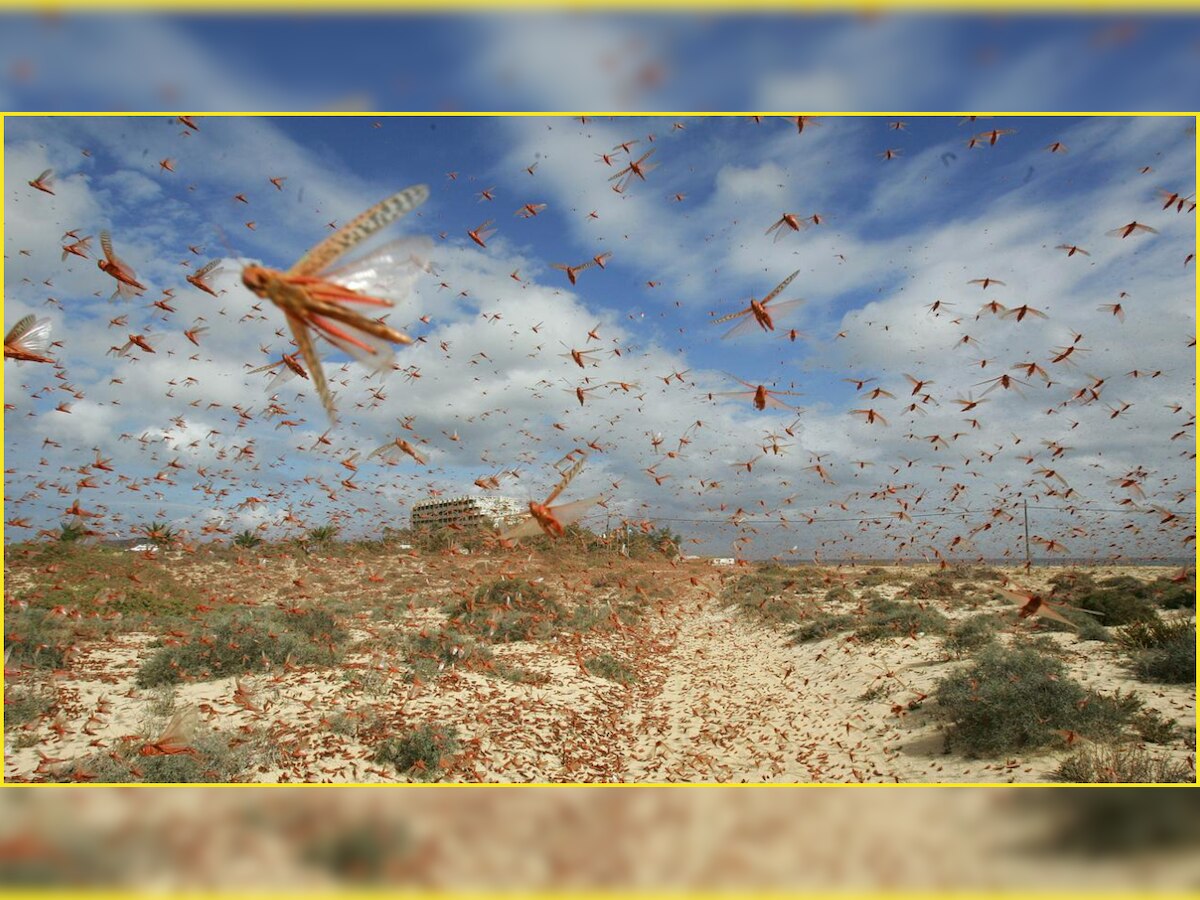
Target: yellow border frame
column 471, row 4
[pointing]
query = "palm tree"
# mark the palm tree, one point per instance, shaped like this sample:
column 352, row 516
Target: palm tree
column 247, row 539
column 160, row 534
column 322, row 534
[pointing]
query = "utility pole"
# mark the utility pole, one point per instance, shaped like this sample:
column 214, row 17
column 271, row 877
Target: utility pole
column 1028, row 560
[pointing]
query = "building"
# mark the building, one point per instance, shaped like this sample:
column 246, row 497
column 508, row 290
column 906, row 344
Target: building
column 489, row 512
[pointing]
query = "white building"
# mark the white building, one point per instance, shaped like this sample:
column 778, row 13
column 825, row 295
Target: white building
column 491, row 512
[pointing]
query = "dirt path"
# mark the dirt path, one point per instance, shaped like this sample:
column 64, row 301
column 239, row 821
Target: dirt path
column 735, row 701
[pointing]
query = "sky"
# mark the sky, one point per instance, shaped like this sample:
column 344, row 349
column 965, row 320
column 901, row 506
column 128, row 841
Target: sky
column 595, row 60
column 1101, row 446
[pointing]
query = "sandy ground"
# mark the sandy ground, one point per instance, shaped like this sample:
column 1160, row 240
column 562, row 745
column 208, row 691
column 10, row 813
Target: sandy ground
column 718, row 698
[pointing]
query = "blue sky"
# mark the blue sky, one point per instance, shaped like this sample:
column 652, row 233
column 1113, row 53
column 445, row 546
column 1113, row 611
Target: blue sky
column 595, row 60
column 486, row 392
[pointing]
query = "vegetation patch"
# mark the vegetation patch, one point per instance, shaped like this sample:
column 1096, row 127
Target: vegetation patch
column 772, row 594
column 216, row 758
column 822, row 626
column 242, row 641
column 895, row 618
column 940, row 586
column 607, row 666
column 971, row 634
column 1018, row 699
column 509, row 609
column 1117, row 601
column 1121, row 765
column 419, row 752
column 1161, row 651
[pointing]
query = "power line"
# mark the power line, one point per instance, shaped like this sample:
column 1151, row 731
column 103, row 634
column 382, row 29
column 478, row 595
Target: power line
column 806, row 520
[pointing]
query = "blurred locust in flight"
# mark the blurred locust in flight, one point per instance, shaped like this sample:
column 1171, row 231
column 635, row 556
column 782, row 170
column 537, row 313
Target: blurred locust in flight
column 553, row 519
column 312, row 296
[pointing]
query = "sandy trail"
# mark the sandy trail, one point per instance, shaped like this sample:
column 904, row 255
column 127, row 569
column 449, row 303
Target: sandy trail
column 734, row 701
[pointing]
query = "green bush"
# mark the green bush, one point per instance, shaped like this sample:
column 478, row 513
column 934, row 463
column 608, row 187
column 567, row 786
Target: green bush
column 822, row 626
column 240, row 642
column 1173, row 595
column 217, row 759
column 1019, row 700
column 419, row 752
column 509, row 609
column 160, row 534
column 1154, row 728
column 893, row 618
column 28, row 703
column 36, row 638
column 607, row 666
column 971, row 634
column 429, row 653
column 1173, row 663
column 1117, row 601
column 933, row 587
column 1161, row 651
column 1121, row 765
column 770, row 594
column 357, row 852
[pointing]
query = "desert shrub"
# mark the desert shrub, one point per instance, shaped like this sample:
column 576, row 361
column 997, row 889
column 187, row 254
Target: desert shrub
column 428, row 652
column 1121, row 765
column 36, row 638
column 1173, row 663
column 1155, row 728
column 217, row 759
column 587, row 617
column 1173, row 595
column 875, row 576
column 1018, row 700
column 1147, row 635
column 822, row 626
column 420, row 751
column 353, row 723
column 939, row 586
column 103, row 581
column 1117, row 601
column 1113, row 825
column 971, row 634
column 316, row 623
column 894, row 618
column 839, row 594
column 26, row 703
column 1089, row 629
column 771, row 593
column 1161, row 651
column 509, row 609
column 607, row 666
column 241, row 642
